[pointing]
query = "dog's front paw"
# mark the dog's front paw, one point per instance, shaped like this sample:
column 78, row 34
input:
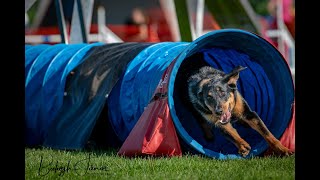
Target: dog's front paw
column 244, row 149
column 288, row 152
column 281, row 150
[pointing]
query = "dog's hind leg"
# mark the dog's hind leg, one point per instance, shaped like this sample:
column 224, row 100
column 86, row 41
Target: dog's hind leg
column 254, row 121
column 231, row 134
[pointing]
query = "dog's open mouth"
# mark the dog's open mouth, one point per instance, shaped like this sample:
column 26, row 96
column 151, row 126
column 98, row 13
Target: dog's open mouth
column 225, row 117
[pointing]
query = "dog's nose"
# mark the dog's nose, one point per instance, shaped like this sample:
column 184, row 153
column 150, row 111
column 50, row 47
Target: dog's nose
column 218, row 110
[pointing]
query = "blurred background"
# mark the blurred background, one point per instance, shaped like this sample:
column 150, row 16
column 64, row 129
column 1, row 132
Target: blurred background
column 113, row 21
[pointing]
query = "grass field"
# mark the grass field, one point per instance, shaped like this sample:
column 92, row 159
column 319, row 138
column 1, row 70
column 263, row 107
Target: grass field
column 57, row 164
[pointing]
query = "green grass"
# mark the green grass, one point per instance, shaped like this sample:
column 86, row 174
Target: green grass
column 57, row 164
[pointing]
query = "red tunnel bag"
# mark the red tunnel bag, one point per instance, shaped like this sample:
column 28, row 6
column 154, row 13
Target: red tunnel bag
column 154, row 133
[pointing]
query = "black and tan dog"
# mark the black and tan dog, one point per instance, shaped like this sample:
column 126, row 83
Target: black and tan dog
column 215, row 99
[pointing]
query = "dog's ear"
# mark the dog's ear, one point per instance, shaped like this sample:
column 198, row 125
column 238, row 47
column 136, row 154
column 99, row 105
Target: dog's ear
column 232, row 77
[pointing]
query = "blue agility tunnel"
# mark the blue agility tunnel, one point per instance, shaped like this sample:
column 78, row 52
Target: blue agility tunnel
column 46, row 68
column 100, row 96
column 266, row 85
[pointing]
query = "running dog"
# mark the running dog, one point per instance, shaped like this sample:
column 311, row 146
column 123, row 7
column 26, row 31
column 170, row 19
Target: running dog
column 215, row 101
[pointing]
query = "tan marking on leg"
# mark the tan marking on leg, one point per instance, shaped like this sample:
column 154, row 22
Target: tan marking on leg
column 243, row 147
column 274, row 143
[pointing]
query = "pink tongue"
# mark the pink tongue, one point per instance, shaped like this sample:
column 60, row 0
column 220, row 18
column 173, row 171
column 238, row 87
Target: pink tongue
column 225, row 117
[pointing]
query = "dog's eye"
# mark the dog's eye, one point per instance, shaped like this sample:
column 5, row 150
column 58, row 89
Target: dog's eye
column 222, row 93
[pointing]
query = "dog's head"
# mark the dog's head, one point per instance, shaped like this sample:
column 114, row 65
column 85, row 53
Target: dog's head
column 218, row 94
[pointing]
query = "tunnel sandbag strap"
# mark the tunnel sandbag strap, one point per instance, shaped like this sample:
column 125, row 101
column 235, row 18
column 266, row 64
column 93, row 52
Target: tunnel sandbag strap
column 159, row 96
